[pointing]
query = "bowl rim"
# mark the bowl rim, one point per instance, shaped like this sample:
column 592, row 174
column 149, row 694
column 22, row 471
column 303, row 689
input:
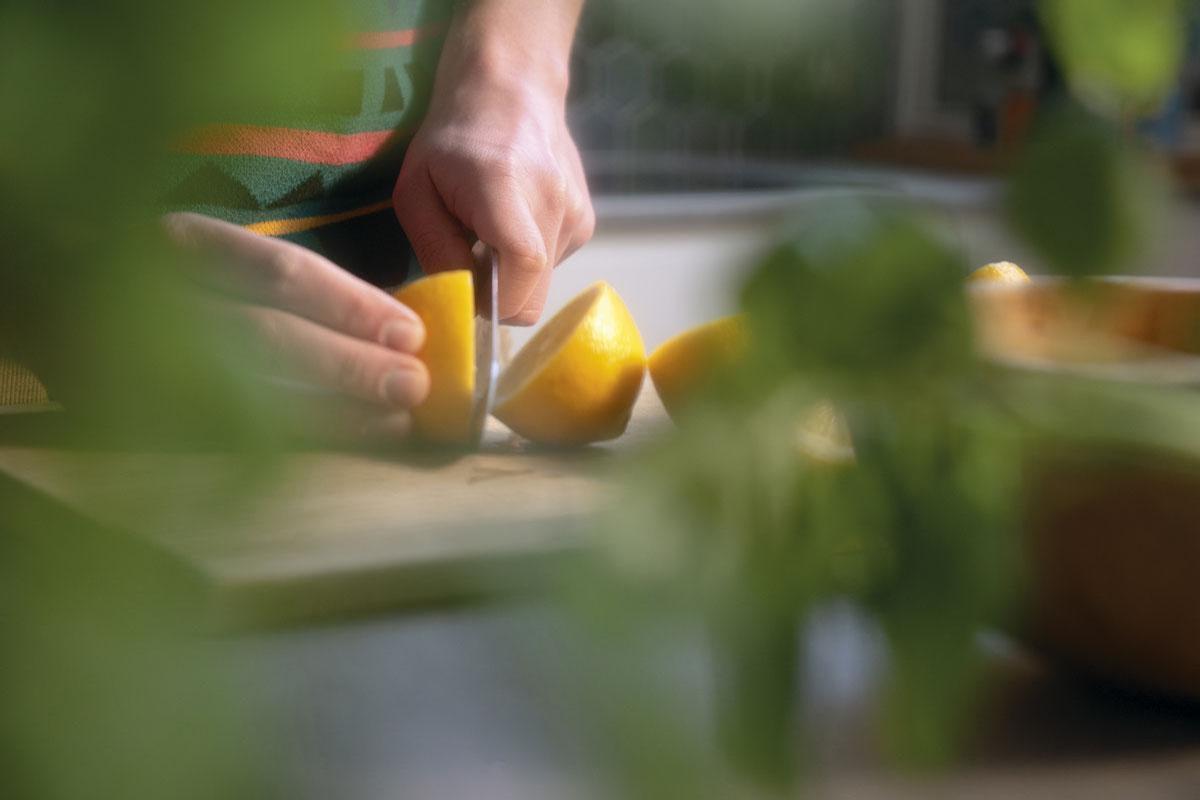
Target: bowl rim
column 1163, row 368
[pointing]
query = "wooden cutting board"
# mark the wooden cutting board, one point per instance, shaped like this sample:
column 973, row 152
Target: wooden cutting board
column 340, row 532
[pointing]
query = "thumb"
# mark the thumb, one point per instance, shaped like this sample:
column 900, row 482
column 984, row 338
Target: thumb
column 439, row 241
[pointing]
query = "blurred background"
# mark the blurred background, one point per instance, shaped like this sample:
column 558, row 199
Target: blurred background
column 718, row 129
column 940, row 85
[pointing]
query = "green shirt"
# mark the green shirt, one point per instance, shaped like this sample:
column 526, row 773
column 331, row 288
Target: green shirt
column 322, row 174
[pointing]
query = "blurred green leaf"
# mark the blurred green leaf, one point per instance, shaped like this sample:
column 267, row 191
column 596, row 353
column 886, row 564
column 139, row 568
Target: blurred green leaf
column 1119, row 55
column 110, row 684
column 860, row 295
column 1084, row 197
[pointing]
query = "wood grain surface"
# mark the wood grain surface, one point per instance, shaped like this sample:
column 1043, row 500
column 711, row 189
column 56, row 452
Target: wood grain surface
column 337, row 532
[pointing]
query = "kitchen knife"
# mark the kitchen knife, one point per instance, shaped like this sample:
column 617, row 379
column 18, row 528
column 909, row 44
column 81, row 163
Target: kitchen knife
column 487, row 365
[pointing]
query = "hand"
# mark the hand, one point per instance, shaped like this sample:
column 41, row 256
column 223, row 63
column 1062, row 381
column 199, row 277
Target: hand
column 493, row 159
column 312, row 321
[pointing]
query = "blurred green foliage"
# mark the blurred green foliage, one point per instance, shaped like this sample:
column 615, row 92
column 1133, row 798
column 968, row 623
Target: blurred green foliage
column 733, row 522
column 1120, row 56
column 1089, row 200
column 90, row 96
column 109, row 683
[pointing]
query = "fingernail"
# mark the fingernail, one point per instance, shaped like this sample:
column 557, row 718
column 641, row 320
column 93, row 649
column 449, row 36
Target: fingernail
column 405, row 311
column 403, row 388
column 403, row 335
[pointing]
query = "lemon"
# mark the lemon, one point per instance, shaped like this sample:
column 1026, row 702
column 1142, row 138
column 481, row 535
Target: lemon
column 577, row 379
column 999, row 272
column 823, row 436
column 445, row 302
column 684, row 363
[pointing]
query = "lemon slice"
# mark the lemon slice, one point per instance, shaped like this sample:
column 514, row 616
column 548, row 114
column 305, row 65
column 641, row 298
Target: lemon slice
column 445, row 302
column 684, row 363
column 999, row 272
column 577, row 379
column 823, row 436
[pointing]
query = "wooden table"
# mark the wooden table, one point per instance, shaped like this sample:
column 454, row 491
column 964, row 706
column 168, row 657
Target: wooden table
column 339, row 532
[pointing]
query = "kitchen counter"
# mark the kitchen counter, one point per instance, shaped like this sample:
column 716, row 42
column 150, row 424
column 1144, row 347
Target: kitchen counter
column 477, row 703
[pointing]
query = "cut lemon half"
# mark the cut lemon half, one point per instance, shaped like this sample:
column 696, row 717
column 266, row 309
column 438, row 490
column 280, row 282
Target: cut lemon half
column 445, row 302
column 577, row 379
column 999, row 272
column 680, row 366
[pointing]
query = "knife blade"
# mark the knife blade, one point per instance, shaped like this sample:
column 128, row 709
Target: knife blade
column 487, row 365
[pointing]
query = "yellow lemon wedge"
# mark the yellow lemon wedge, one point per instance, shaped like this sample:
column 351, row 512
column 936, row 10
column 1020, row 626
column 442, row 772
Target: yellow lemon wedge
column 576, row 380
column 999, row 272
column 823, row 436
column 445, row 302
column 684, row 363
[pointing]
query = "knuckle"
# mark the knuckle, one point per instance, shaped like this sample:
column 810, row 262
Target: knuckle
column 270, row 338
column 426, row 241
column 284, row 267
column 586, row 225
column 530, row 258
column 352, row 374
column 357, row 313
column 555, row 187
column 504, row 164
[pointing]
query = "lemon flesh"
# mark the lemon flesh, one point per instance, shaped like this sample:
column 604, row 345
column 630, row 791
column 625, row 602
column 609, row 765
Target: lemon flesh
column 577, row 379
column 445, row 302
column 683, row 364
column 999, row 272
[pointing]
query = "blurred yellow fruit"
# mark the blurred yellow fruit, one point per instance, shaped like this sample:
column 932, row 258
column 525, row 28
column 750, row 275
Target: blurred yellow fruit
column 577, row 379
column 999, row 272
column 823, row 436
column 684, row 363
column 445, row 302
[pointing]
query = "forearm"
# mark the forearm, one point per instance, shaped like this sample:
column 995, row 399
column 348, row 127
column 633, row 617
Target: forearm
column 514, row 43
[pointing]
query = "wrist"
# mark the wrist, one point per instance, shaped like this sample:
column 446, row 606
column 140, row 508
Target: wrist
column 510, row 68
column 512, row 46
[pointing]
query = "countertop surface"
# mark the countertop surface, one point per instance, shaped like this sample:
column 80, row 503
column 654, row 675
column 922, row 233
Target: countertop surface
column 330, row 532
column 484, row 703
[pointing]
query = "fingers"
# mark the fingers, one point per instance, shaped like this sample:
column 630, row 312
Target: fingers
column 535, row 304
column 576, row 222
column 502, row 217
column 439, row 241
column 580, row 219
column 299, row 348
column 328, row 419
column 291, row 278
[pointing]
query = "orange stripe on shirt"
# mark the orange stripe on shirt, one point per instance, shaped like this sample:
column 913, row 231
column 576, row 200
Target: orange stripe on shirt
column 283, row 227
column 386, row 40
column 311, row 147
